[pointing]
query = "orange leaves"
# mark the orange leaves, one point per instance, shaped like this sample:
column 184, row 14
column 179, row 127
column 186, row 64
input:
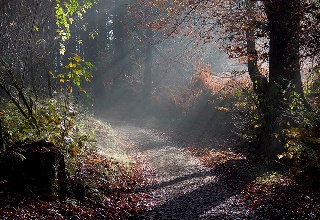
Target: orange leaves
column 113, row 185
column 170, row 10
column 201, row 80
column 275, row 192
column 212, row 159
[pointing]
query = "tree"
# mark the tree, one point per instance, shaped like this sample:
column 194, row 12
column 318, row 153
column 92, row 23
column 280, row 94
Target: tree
column 93, row 38
column 257, row 33
column 28, row 47
column 23, row 40
column 160, row 55
column 122, row 60
column 284, row 81
column 28, row 31
column 147, row 83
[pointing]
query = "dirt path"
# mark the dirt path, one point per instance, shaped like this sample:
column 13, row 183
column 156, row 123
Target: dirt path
column 185, row 189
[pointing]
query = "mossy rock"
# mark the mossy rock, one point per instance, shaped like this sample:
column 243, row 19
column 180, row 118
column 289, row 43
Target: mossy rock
column 37, row 168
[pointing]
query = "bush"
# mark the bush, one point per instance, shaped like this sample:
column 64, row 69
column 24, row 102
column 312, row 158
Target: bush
column 185, row 99
column 58, row 120
column 303, row 137
column 303, row 154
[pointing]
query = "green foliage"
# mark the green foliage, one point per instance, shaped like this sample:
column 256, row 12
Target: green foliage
column 59, row 120
column 269, row 178
column 77, row 72
column 303, row 153
column 65, row 11
column 303, row 138
column 248, row 118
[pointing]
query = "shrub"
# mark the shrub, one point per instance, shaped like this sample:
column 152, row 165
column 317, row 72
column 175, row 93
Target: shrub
column 58, row 120
column 303, row 137
column 303, row 151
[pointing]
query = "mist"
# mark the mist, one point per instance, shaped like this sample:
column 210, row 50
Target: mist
column 145, row 76
column 127, row 109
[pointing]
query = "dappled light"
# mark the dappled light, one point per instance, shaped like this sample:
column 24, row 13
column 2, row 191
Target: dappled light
column 159, row 109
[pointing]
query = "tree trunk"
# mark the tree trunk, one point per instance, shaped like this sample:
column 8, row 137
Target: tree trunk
column 147, row 84
column 99, row 75
column 284, row 70
column 122, row 61
column 275, row 95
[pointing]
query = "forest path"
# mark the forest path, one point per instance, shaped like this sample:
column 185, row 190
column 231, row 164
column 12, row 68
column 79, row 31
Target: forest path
column 184, row 188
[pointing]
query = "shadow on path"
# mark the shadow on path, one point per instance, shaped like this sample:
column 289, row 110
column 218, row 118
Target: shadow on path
column 186, row 189
column 198, row 203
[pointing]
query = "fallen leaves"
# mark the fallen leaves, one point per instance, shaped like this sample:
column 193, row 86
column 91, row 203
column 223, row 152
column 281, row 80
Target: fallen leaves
column 212, row 159
column 99, row 188
column 102, row 187
column 281, row 197
column 268, row 196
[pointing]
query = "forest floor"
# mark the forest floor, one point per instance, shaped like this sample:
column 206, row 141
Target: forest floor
column 198, row 183
column 164, row 178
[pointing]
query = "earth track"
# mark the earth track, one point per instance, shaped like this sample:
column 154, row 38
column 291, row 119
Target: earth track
column 184, row 188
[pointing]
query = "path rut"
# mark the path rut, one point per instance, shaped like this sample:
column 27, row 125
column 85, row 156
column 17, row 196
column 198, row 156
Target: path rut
column 185, row 189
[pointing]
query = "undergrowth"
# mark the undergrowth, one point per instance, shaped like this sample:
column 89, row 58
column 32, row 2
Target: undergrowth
column 101, row 175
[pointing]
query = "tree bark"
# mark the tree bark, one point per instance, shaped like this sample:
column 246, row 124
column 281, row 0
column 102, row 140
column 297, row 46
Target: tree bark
column 284, row 70
column 147, row 86
column 284, row 64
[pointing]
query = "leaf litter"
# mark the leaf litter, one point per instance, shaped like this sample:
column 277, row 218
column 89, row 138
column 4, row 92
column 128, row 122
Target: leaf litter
column 160, row 179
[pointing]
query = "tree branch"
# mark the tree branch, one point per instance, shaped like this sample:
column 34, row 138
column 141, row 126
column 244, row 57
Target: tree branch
column 260, row 82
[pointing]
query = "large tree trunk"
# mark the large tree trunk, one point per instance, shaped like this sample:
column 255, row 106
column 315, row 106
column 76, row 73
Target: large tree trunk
column 284, row 71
